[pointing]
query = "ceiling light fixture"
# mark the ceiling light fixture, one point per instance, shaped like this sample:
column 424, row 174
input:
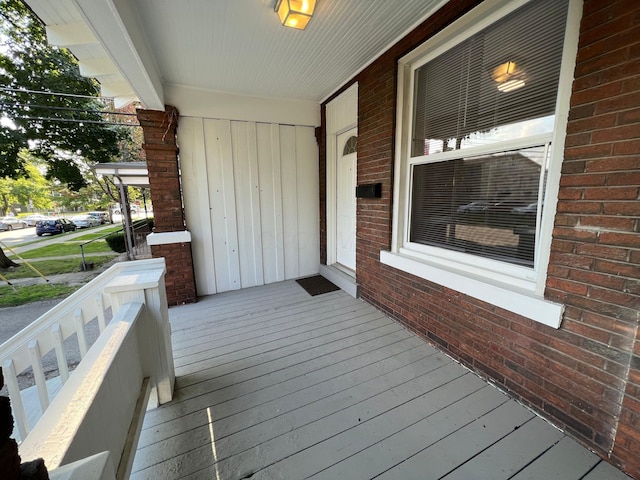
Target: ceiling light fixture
column 508, row 77
column 295, row 13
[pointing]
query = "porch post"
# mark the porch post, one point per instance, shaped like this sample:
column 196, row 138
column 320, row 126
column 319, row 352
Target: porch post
column 148, row 288
column 170, row 238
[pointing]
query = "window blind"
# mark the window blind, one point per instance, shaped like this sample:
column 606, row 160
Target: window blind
column 485, row 205
column 457, row 101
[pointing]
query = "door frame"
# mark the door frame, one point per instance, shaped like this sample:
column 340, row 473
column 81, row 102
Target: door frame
column 352, row 132
column 342, row 116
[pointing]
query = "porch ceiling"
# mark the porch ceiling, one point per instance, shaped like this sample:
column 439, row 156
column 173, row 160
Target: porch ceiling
column 135, row 49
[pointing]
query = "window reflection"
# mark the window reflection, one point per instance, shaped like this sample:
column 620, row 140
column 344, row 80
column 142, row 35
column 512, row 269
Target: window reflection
column 536, row 126
column 485, row 205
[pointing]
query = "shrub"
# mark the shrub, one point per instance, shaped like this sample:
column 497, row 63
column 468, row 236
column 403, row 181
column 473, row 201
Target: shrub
column 116, row 242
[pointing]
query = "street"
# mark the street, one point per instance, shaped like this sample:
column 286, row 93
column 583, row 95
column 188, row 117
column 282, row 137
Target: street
column 25, row 239
column 16, row 237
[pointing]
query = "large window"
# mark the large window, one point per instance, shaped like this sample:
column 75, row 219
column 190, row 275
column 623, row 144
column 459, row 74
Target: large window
column 478, row 129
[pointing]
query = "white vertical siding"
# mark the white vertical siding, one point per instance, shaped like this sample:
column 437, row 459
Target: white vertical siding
column 308, row 225
column 251, row 201
column 195, row 175
column 289, row 199
column 269, row 168
column 218, row 165
column 247, row 191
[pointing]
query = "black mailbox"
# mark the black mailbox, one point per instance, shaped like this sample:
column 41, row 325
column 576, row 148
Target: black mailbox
column 371, row 190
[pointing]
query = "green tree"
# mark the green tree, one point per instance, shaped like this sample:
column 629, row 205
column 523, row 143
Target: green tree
column 64, row 130
column 47, row 107
column 32, row 189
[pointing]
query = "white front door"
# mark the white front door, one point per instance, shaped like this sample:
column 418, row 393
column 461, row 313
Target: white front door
column 346, row 199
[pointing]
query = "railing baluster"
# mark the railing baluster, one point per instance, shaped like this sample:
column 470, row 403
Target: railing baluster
column 100, row 304
column 38, row 374
column 78, row 320
column 63, row 368
column 19, row 415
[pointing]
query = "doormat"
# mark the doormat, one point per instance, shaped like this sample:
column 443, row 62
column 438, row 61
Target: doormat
column 317, row 285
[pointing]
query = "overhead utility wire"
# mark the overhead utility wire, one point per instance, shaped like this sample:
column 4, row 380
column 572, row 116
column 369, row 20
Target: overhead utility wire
column 40, row 92
column 73, row 120
column 82, row 110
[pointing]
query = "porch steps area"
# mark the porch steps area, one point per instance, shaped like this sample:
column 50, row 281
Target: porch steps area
column 272, row 383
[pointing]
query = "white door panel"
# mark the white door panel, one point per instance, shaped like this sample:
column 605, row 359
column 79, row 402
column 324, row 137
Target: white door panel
column 346, row 200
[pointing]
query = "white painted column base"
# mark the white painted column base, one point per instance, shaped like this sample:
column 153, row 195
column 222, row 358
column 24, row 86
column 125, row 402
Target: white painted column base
column 166, row 238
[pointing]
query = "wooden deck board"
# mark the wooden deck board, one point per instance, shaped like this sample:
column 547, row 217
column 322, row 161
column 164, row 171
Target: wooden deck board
column 605, row 471
column 512, row 453
column 273, row 383
column 566, row 459
column 446, row 454
column 249, row 410
column 315, row 384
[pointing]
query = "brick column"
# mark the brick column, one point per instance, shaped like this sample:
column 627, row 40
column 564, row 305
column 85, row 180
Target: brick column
column 159, row 129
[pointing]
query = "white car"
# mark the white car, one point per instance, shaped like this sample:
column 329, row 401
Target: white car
column 33, row 219
column 85, row 221
column 12, row 223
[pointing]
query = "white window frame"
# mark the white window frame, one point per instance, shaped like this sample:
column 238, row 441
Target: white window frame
column 512, row 287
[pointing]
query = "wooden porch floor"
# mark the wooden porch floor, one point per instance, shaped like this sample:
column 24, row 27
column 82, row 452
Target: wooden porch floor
column 273, row 383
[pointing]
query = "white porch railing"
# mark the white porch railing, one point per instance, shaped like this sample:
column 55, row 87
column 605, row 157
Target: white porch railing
column 101, row 404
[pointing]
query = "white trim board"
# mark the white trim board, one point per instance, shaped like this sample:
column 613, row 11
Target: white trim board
column 194, row 102
column 341, row 115
column 165, row 238
column 521, row 302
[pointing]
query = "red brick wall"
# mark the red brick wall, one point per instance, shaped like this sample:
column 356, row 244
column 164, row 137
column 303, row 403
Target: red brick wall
column 596, row 243
column 159, row 130
column 577, row 376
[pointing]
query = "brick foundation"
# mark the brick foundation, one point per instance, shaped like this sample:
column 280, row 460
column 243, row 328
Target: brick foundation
column 584, row 377
column 159, row 130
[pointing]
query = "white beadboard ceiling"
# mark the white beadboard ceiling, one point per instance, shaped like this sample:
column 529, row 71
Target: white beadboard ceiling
column 231, row 46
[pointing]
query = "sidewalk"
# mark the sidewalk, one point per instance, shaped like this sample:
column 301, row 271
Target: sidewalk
column 71, row 278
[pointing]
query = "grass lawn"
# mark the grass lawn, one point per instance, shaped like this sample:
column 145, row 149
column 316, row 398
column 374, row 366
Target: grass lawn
column 33, row 293
column 65, row 248
column 106, row 231
column 52, row 267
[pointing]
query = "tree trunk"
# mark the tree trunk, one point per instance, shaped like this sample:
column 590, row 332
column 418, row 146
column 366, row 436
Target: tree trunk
column 5, row 204
column 5, row 262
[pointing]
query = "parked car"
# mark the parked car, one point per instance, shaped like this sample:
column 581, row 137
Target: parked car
column 33, row 219
column 85, row 221
column 473, row 207
column 12, row 223
column 103, row 217
column 532, row 208
column 54, row 225
column 133, row 208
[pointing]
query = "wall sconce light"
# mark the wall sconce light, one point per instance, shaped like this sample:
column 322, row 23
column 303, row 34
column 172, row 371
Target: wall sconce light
column 508, row 77
column 295, row 13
